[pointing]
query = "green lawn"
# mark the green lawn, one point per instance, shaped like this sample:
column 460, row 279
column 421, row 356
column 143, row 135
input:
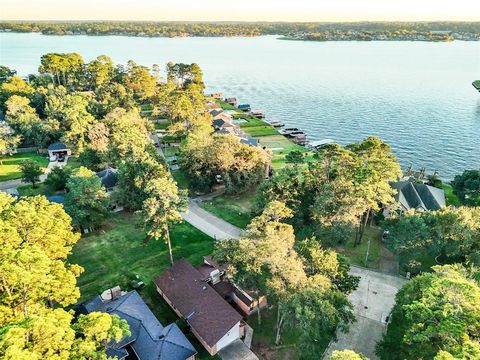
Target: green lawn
column 226, row 106
column 73, row 162
column 181, row 178
column 256, row 127
column 40, row 189
column 236, row 210
column 161, row 125
column 115, row 255
column 451, row 198
column 170, row 151
column 284, row 147
column 10, row 170
column 357, row 254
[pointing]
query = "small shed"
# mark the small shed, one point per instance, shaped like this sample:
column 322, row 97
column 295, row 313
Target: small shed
column 58, row 148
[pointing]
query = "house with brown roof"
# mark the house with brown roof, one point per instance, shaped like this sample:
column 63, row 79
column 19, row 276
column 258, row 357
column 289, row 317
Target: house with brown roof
column 195, row 294
column 215, row 275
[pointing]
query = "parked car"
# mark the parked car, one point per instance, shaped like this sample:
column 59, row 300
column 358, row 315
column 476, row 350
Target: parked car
column 61, row 158
column 53, row 158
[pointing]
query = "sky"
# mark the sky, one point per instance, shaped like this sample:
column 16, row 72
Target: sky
column 242, row 10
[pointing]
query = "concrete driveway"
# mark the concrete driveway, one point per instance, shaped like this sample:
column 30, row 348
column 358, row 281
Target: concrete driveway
column 237, row 350
column 209, row 224
column 373, row 302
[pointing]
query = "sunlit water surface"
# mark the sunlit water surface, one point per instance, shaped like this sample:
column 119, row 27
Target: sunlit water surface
column 417, row 96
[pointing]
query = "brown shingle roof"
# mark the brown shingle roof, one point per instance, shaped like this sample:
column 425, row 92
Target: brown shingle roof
column 203, row 308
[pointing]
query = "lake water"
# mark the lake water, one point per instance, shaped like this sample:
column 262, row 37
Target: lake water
column 417, row 96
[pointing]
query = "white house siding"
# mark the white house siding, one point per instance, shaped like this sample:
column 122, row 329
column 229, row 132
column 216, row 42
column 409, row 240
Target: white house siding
column 232, row 335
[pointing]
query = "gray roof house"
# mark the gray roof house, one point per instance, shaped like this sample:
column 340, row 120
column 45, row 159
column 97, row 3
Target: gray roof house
column 216, row 112
column 108, row 177
column 58, row 148
column 411, row 195
column 149, row 340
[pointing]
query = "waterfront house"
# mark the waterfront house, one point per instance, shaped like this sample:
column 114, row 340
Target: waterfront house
column 212, row 320
column 149, row 339
column 213, row 106
column 417, row 196
column 215, row 112
column 221, row 124
column 223, row 116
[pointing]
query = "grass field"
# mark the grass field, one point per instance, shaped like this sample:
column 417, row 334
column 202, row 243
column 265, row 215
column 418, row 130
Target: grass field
column 10, row 170
column 283, row 146
column 115, row 255
column 451, row 198
column 161, row 125
column 40, row 189
column 236, row 210
column 357, row 254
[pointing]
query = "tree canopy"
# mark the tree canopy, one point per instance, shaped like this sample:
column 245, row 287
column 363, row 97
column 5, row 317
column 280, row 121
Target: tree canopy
column 35, row 240
column 267, row 260
column 436, row 316
column 446, row 236
column 467, row 187
column 86, row 200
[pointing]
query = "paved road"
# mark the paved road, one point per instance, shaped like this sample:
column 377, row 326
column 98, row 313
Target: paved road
column 209, row 224
column 372, row 302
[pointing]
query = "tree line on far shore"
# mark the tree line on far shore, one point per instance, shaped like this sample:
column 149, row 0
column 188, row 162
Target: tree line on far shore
column 176, row 29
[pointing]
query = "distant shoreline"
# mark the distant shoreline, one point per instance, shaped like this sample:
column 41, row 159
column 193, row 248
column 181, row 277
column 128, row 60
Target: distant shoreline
column 279, row 37
column 356, row 31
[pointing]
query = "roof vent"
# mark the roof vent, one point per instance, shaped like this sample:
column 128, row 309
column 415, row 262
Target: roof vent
column 204, row 287
column 190, row 315
column 161, row 336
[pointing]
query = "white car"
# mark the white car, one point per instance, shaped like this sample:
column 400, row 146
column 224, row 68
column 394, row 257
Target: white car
column 53, row 158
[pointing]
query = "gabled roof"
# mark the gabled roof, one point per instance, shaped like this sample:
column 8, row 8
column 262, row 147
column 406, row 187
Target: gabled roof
column 215, row 112
column 249, row 141
column 149, row 339
column 220, row 123
column 202, row 307
column 413, row 195
column 108, row 177
column 57, row 146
